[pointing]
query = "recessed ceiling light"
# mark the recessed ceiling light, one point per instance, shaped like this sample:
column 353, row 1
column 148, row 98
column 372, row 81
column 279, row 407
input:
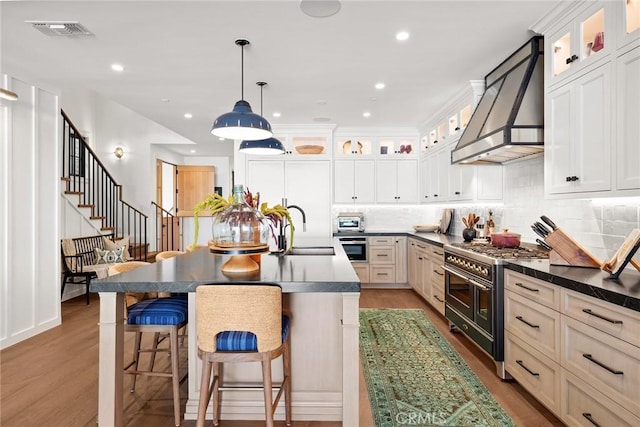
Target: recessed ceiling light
column 366, row 114
column 117, row 67
column 56, row 26
column 320, row 8
column 165, row 100
column 192, row 151
column 402, row 36
column 276, row 114
column 380, row 85
column 188, row 115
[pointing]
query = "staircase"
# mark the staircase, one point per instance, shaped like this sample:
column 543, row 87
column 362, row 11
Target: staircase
column 99, row 195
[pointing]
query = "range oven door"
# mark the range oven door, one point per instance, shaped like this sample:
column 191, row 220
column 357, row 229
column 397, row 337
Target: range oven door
column 355, row 248
column 470, row 298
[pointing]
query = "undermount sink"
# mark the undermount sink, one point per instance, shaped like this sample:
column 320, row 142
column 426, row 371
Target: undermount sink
column 311, row 250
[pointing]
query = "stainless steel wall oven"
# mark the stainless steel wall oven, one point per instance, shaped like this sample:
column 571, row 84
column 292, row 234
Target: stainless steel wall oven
column 356, row 248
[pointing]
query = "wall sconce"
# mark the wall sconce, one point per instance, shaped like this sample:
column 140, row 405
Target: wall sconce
column 118, row 152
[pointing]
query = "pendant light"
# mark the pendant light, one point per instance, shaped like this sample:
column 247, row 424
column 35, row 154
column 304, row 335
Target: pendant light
column 262, row 147
column 241, row 123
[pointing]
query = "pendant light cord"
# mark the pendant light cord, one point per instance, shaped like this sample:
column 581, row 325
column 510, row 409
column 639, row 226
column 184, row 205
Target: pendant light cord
column 242, row 72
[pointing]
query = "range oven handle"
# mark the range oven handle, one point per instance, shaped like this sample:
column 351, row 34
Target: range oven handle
column 468, row 279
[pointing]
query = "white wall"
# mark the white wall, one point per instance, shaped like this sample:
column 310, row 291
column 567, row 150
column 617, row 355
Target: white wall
column 29, row 200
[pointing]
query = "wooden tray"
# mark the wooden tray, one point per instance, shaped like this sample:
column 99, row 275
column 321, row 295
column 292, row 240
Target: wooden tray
column 567, row 251
column 309, row 149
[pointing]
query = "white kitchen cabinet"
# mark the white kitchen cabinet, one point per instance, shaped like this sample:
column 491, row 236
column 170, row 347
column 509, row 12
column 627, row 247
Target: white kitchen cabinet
column 461, row 182
column 412, row 262
column 358, row 146
column 303, row 183
column 578, row 134
column 580, row 43
column 303, row 144
column 401, row 258
column 353, row 181
column 396, row 181
column 628, row 120
column 389, row 147
column 629, row 24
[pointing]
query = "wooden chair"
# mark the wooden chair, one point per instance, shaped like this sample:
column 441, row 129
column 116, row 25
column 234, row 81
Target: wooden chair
column 168, row 254
column 164, row 316
column 242, row 323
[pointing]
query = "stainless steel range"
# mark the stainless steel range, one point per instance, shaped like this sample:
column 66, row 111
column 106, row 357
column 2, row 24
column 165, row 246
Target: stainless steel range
column 474, row 292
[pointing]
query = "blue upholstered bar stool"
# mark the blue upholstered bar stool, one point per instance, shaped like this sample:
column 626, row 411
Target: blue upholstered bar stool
column 162, row 316
column 242, row 323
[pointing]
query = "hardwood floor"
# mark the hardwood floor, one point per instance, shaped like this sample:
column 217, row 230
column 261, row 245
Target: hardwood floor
column 51, row 379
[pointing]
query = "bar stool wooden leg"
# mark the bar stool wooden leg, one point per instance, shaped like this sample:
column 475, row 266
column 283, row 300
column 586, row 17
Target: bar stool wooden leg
column 217, row 380
column 286, row 361
column 136, row 359
column 175, row 374
column 268, row 393
column 154, row 349
column 205, row 394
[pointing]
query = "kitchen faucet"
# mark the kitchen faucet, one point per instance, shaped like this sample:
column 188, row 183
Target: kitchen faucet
column 282, row 239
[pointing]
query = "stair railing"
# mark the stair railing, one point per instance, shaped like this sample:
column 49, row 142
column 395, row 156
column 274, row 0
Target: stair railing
column 86, row 176
column 165, row 227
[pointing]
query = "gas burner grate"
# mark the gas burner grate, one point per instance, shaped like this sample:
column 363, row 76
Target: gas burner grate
column 504, row 253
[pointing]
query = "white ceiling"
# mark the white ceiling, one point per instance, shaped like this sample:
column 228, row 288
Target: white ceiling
column 184, row 51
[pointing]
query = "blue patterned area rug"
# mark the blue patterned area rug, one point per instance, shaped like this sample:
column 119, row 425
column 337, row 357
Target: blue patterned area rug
column 415, row 378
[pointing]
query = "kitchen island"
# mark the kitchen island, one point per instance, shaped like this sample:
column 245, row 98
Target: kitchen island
column 322, row 292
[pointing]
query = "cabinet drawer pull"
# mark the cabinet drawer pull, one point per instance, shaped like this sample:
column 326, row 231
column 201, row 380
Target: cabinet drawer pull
column 438, row 273
column 590, row 419
column 437, row 253
column 520, row 318
column 535, row 374
column 382, row 255
column 382, row 274
column 438, row 298
column 600, row 316
column 520, row 285
column 602, row 365
column 421, row 247
column 420, row 258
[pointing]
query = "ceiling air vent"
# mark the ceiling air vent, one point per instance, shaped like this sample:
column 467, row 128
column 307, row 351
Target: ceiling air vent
column 58, row 28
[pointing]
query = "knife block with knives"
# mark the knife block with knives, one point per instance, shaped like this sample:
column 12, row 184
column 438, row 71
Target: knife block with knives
column 564, row 250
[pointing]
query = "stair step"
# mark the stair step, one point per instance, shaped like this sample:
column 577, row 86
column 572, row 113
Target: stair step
column 97, row 217
column 65, row 178
column 74, row 192
column 106, row 228
column 85, row 206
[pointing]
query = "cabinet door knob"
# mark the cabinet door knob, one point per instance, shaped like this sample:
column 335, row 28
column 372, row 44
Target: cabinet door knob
column 457, row 193
column 574, row 178
column 435, row 195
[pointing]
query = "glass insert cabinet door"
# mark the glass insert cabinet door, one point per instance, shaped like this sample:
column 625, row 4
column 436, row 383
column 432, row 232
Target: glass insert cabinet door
column 579, row 42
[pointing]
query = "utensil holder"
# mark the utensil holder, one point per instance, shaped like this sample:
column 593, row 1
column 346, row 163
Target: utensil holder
column 567, row 251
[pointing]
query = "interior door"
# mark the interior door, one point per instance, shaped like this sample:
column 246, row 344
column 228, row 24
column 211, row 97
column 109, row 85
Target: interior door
column 194, row 184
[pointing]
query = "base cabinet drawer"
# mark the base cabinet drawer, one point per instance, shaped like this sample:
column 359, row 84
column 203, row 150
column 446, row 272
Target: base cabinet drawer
column 382, row 255
column 382, row 274
column 610, row 365
column 583, row 405
column 437, row 298
column 533, row 322
column 362, row 270
column 532, row 288
column 538, row 374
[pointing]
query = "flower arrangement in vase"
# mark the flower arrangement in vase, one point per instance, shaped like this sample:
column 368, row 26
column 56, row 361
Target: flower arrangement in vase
column 243, row 206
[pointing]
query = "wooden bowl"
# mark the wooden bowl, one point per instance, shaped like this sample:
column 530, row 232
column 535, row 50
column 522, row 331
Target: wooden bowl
column 309, row 149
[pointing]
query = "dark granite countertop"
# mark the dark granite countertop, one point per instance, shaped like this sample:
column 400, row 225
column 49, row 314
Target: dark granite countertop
column 294, row 273
column 624, row 291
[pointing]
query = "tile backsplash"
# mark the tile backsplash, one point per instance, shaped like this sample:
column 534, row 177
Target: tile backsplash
column 600, row 226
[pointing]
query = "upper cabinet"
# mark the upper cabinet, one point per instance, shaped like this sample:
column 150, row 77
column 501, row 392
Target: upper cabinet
column 359, row 146
column 396, row 181
column 629, row 24
column 580, row 42
column 304, row 143
column 396, row 147
column 592, row 100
